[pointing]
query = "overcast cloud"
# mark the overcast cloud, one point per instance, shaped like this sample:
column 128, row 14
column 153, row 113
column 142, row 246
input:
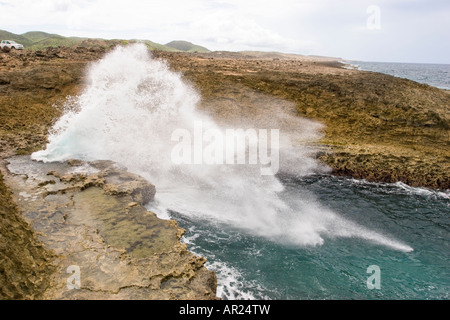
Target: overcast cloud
column 404, row 30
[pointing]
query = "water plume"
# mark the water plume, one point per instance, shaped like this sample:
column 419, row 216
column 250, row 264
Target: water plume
column 127, row 113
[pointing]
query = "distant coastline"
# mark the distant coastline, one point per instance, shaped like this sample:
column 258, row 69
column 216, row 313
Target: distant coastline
column 433, row 74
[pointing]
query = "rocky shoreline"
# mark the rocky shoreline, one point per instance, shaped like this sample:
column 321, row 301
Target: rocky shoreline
column 91, row 216
column 377, row 127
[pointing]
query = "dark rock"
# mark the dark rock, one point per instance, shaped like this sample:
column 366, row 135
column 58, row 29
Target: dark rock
column 39, row 54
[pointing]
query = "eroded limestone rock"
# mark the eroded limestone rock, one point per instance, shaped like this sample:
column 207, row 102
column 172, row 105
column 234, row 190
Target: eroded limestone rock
column 91, row 215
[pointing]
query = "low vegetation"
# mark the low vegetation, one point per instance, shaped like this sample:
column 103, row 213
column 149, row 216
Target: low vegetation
column 38, row 40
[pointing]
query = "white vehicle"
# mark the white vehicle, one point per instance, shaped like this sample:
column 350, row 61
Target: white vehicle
column 11, row 44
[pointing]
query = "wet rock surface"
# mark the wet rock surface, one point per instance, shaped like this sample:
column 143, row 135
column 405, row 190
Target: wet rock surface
column 91, row 216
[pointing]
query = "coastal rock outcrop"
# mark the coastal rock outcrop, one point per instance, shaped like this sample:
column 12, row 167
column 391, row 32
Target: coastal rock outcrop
column 91, row 217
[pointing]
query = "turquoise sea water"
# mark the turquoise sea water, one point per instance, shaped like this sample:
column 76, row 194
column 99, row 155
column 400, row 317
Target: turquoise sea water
column 251, row 267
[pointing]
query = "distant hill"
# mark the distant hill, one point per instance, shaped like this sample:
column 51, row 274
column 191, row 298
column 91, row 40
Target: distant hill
column 156, row 46
column 36, row 36
column 186, row 46
column 5, row 35
column 38, row 40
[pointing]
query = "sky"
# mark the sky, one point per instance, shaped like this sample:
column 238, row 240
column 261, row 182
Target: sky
column 366, row 30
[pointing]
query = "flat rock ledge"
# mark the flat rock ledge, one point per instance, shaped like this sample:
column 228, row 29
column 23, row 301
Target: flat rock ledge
column 105, row 243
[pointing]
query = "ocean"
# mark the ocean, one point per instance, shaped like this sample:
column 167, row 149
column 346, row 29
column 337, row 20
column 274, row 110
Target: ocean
column 436, row 75
column 300, row 234
column 251, row 267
